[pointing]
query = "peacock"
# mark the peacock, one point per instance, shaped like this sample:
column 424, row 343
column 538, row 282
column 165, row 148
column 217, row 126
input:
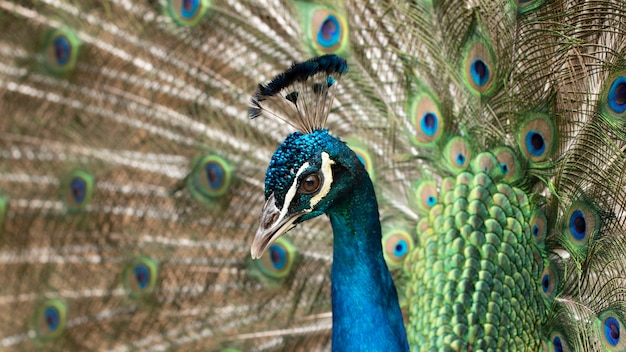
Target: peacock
column 165, row 165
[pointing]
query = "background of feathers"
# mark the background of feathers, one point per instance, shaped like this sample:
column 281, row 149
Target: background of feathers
column 147, row 97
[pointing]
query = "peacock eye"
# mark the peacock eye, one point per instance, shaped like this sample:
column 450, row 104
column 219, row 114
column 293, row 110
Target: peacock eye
column 310, row 184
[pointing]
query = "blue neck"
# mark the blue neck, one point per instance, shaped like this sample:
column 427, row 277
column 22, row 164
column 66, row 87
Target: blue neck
column 366, row 313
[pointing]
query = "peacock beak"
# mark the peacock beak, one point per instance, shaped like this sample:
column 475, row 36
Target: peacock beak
column 273, row 223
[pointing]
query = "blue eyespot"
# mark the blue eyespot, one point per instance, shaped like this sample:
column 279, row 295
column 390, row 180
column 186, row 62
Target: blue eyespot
column 535, row 230
column 52, row 318
column 457, row 153
column 62, row 50
column 189, row 8
column 508, row 163
column 479, row 72
column 549, row 281
column 187, row 13
column 142, row 275
column 214, row 174
column 612, row 331
column 557, row 344
column 78, row 188
column 460, row 159
column 396, row 246
column 326, row 29
column 537, row 136
column 329, row 32
column 426, row 195
column 617, row 95
column 478, row 61
column 545, row 283
column 276, row 263
column 429, row 124
column 505, row 168
column 209, row 180
column 278, row 256
column 401, row 248
column 426, row 118
column 578, row 225
column 581, row 221
column 535, row 143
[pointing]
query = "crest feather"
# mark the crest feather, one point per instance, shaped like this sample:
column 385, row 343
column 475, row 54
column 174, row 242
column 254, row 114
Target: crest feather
column 302, row 96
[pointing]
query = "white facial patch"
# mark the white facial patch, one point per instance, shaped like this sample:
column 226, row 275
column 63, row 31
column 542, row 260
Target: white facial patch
column 291, row 193
column 328, row 180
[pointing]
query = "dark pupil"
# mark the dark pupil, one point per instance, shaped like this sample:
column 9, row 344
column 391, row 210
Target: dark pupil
column 480, row 68
column 579, row 224
column 545, row 283
column 188, row 5
column 620, row 94
column 212, row 175
column 558, row 347
column 77, row 191
column 50, row 319
column 328, row 28
column 399, row 247
column 505, row 168
column 59, row 50
column 614, row 331
column 429, row 120
column 461, row 159
column 275, row 255
column 537, row 141
column 309, row 183
column 535, row 230
column 140, row 276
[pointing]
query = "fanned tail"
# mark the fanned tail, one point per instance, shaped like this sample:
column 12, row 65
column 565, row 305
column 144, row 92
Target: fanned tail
column 132, row 178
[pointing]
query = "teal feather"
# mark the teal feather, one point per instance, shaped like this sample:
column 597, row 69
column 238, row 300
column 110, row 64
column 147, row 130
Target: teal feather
column 131, row 177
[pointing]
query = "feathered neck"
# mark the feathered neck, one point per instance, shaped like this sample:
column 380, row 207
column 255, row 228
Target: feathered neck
column 366, row 313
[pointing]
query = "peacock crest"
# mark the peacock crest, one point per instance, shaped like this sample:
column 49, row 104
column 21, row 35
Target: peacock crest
column 302, row 96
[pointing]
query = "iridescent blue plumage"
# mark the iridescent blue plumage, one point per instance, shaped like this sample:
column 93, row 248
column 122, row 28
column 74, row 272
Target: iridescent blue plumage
column 316, row 173
column 366, row 313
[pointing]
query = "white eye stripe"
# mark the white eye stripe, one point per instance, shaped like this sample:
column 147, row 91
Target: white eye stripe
column 327, row 180
column 292, row 191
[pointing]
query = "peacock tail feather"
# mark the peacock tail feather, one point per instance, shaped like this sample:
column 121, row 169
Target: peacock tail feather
column 131, row 179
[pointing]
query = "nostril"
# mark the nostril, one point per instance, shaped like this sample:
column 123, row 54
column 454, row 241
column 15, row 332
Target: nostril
column 269, row 221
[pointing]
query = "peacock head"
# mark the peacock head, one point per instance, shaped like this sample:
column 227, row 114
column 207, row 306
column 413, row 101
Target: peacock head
column 311, row 169
column 307, row 175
